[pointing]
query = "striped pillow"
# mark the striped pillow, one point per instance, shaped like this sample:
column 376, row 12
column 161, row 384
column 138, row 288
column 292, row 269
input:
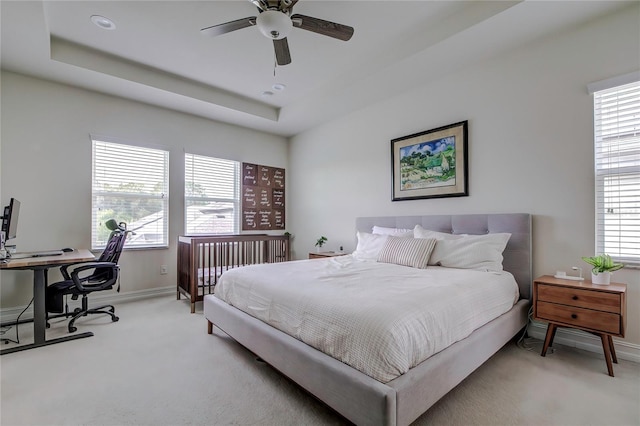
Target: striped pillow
column 412, row 252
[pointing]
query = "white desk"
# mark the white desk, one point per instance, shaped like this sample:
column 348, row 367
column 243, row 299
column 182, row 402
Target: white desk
column 40, row 267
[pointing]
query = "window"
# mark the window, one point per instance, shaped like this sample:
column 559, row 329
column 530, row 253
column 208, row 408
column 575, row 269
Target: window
column 617, row 171
column 130, row 184
column 211, row 195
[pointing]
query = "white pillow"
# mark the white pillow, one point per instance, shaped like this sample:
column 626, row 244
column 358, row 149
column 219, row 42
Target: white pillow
column 420, row 232
column 369, row 246
column 481, row 252
column 413, row 252
column 396, row 232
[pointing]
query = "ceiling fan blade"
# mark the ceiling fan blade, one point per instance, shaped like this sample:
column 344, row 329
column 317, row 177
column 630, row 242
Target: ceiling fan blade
column 320, row 26
column 283, row 57
column 227, row 27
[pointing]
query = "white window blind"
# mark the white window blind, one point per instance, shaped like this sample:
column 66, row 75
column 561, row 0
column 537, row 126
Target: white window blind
column 130, row 184
column 212, row 195
column 617, row 171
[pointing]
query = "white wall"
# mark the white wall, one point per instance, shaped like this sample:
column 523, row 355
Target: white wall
column 530, row 148
column 46, row 164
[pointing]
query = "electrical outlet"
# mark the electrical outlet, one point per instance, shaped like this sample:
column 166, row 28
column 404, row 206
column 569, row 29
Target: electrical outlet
column 163, row 269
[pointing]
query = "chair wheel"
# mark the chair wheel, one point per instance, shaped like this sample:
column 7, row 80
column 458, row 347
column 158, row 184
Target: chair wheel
column 72, row 329
column 76, row 310
column 115, row 319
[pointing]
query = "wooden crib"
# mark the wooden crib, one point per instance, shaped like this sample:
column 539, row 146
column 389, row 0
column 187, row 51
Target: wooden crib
column 201, row 260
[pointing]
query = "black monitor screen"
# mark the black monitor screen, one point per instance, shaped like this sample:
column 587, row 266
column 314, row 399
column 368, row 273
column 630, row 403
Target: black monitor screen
column 10, row 218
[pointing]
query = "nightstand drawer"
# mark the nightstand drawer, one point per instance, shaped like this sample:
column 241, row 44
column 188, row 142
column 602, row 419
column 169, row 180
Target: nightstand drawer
column 603, row 322
column 598, row 300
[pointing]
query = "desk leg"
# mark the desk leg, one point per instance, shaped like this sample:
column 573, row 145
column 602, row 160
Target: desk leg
column 40, row 318
column 39, row 314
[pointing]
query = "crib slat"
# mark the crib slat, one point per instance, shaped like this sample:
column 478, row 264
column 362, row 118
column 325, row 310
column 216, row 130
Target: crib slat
column 201, row 260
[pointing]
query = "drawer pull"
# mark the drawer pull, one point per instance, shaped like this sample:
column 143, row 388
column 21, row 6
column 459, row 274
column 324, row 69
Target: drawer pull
column 575, row 297
column 574, row 316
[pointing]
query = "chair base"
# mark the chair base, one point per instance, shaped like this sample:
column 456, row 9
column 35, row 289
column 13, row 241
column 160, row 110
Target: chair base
column 106, row 309
column 83, row 312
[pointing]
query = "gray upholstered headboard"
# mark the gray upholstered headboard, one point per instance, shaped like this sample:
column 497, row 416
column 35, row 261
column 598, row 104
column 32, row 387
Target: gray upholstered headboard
column 517, row 254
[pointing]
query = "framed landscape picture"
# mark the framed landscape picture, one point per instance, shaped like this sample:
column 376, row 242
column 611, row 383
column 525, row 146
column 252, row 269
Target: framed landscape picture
column 431, row 164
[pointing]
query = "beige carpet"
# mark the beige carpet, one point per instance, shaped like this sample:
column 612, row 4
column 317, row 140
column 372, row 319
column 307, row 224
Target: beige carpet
column 158, row 366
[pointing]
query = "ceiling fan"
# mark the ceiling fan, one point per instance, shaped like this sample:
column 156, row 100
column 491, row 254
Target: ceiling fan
column 275, row 21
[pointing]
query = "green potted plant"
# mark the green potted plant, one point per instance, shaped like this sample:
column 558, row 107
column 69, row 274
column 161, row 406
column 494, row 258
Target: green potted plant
column 603, row 266
column 320, row 242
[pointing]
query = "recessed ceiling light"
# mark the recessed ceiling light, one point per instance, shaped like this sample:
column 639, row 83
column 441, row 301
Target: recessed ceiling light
column 279, row 87
column 267, row 93
column 102, row 22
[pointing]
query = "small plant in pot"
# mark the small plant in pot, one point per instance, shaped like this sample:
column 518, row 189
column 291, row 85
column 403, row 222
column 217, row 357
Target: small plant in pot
column 321, row 242
column 603, row 266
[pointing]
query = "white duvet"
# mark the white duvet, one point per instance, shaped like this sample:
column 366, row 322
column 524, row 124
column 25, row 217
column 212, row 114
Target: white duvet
column 379, row 318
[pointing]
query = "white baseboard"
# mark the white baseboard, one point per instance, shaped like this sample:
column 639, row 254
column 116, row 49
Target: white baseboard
column 583, row 340
column 8, row 315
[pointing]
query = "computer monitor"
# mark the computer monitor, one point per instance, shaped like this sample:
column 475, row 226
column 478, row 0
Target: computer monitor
column 10, row 219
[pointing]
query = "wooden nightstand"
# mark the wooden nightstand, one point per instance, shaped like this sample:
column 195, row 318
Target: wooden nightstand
column 322, row 254
column 598, row 309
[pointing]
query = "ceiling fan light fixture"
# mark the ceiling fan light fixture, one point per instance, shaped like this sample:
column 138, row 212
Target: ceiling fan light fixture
column 102, row 22
column 274, row 24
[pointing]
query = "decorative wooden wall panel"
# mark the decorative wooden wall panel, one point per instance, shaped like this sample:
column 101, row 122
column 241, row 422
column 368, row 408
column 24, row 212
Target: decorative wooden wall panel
column 263, row 198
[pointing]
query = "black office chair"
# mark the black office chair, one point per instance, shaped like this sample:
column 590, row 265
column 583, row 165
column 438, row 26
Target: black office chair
column 81, row 279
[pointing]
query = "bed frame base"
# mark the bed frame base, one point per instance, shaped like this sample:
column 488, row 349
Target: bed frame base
column 358, row 397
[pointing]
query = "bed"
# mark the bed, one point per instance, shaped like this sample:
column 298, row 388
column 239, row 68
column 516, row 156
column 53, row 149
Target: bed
column 399, row 401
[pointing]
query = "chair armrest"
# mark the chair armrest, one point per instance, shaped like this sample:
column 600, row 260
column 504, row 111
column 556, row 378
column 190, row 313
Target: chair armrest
column 64, row 269
column 83, row 284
